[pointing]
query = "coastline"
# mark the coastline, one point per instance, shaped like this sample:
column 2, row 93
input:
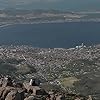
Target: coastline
column 46, row 22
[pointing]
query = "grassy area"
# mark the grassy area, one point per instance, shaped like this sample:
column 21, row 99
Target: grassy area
column 68, row 82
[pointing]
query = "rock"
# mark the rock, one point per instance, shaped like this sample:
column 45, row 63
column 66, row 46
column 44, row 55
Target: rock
column 37, row 90
column 77, row 99
column 27, row 91
column 60, row 97
column 6, row 91
column 34, row 82
column 21, row 94
column 1, row 82
column 19, row 85
column 29, row 98
column 26, row 85
column 89, row 97
column 34, row 89
column 52, row 97
column 1, row 91
column 7, row 81
column 13, row 95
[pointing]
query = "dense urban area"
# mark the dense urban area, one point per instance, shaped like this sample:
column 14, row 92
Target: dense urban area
column 74, row 70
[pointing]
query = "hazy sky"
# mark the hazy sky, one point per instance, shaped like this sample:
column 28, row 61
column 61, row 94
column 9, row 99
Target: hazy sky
column 74, row 5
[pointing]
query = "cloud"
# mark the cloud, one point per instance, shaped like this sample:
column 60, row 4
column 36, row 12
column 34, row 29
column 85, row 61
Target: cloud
column 32, row 1
column 27, row 2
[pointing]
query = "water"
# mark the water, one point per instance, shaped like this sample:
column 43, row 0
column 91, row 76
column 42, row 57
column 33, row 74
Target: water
column 54, row 35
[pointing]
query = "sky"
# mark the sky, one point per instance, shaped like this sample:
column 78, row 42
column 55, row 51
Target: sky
column 72, row 5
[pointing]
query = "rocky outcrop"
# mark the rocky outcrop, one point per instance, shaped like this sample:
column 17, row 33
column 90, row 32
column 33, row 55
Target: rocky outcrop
column 29, row 98
column 27, row 91
column 13, row 95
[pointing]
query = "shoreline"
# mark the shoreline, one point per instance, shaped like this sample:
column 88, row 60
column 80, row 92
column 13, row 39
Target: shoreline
column 51, row 22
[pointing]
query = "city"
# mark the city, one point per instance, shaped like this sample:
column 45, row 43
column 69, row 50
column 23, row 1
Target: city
column 53, row 66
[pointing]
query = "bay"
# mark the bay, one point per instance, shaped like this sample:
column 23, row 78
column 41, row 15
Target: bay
column 51, row 35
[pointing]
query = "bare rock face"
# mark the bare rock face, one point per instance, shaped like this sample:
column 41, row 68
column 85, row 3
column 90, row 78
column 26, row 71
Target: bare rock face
column 29, row 98
column 1, row 82
column 58, row 97
column 13, row 95
column 6, row 91
column 26, row 85
column 27, row 91
column 35, row 90
column 1, row 91
column 21, row 93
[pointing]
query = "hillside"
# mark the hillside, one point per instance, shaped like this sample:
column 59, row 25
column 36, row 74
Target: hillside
column 75, row 70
